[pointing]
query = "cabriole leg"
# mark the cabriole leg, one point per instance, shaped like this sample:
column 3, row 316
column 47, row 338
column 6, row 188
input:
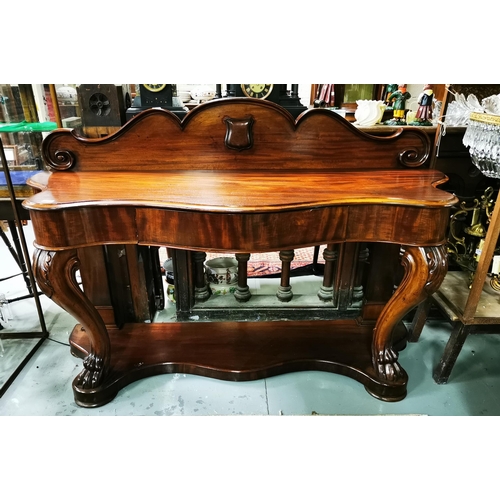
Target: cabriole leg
column 425, row 268
column 55, row 274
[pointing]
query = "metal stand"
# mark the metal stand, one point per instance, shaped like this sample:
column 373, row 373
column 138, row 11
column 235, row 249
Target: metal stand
column 17, row 254
column 27, row 273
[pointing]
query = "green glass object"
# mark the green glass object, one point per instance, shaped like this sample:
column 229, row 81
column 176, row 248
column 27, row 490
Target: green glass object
column 27, row 127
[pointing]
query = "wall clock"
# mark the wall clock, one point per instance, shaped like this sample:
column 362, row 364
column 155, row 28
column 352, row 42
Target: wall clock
column 257, row 90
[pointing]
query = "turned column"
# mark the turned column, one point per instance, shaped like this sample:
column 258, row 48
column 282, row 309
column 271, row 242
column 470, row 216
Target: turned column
column 357, row 289
column 326, row 291
column 284, row 292
column 201, row 292
column 242, row 292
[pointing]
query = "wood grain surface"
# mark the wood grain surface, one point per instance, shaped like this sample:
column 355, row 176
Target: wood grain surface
column 237, row 191
column 157, row 140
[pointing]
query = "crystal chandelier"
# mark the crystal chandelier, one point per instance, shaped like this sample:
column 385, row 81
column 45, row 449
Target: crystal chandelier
column 482, row 137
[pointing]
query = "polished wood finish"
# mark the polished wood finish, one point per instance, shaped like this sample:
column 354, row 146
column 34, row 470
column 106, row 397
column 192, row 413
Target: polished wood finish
column 187, row 186
column 120, row 281
column 239, row 192
column 236, row 351
column 197, row 143
column 95, row 282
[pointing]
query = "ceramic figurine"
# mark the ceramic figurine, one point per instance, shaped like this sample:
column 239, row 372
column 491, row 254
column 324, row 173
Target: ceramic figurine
column 391, row 87
column 398, row 99
column 424, row 111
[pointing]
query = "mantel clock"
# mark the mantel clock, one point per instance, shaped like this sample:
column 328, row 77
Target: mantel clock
column 156, row 95
column 274, row 92
column 257, row 90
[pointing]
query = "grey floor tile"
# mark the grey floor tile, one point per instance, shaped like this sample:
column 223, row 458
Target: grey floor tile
column 11, row 352
column 473, row 388
column 44, row 388
column 190, row 395
column 44, row 385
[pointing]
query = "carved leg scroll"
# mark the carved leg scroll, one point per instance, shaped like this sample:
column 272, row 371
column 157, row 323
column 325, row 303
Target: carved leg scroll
column 55, row 274
column 425, row 268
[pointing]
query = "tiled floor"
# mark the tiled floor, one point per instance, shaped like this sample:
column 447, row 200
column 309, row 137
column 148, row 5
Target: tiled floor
column 44, row 385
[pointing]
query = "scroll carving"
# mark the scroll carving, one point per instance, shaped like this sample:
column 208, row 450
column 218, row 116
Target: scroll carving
column 42, row 262
column 238, row 133
column 57, row 159
column 62, row 160
column 413, row 158
column 438, row 266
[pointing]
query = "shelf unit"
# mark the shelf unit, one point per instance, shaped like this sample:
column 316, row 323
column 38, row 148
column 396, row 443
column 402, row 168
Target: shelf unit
column 470, row 310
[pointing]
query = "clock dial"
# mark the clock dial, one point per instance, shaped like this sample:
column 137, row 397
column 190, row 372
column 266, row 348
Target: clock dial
column 257, row 90
column 154, row 87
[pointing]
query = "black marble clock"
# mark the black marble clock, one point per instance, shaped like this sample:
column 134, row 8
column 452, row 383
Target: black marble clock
column 278, row 93
column 156, row 95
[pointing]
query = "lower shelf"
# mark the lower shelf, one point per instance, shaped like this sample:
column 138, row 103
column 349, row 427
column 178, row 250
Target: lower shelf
column 454, row 292
column 235, row 351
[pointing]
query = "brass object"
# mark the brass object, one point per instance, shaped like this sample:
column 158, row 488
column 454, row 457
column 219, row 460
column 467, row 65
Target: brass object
column 465, row 243
column 495, row 283
column 479, row 250
column 476, row 228
column 485, row 118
